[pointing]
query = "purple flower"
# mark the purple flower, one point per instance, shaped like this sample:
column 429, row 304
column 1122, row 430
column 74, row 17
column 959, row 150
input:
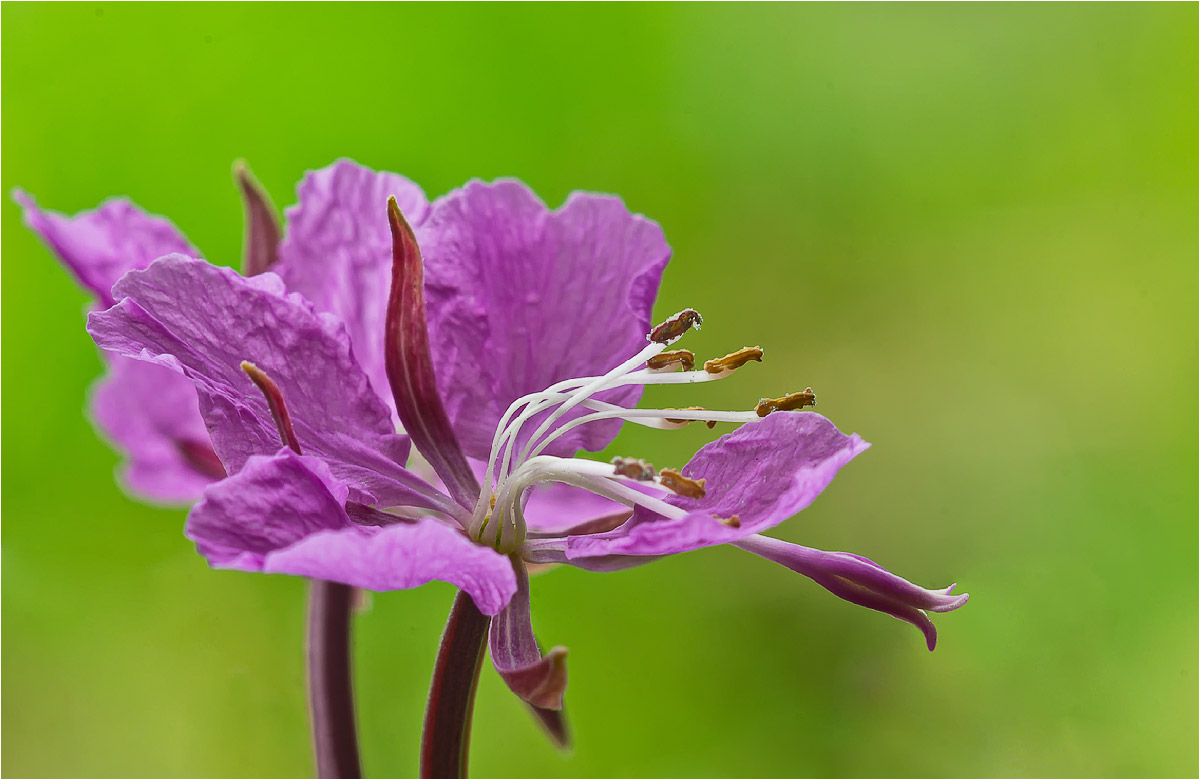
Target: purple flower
column 519, row 340
column 146, row 411
column 337, row 248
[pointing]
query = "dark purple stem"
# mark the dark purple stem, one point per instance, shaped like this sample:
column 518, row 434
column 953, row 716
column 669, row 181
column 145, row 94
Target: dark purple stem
column 452, row 692
column 330, row 690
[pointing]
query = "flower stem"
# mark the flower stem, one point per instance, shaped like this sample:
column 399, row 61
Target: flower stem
column 452, row 692
column 330, row 690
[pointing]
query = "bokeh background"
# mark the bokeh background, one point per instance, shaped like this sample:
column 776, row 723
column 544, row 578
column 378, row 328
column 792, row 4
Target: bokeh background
column 972, row 228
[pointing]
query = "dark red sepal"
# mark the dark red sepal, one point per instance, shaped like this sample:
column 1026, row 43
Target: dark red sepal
column 410, row 367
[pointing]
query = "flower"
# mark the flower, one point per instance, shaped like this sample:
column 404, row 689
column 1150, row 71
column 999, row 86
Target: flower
column 146, row 411
column 521, row 339
column 335, row 239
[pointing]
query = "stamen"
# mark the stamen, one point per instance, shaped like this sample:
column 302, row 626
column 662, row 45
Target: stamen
column 591, row 388
column 710, row 423
column 684, row 358
column 733, row 521
column 681, row 485
column 787, row 403
column 654, row 418
column 674, row 327
column 733, row 360
column 633, row 468
column 648, row 377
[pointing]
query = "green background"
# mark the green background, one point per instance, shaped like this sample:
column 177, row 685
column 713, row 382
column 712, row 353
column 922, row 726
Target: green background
column 972, row 228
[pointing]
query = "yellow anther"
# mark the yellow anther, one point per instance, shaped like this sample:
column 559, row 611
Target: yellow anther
column 709, row 423
column 493, row 501
column 733, row 360
column 787, row 403
column 634, row 468
column 680, row 485
column 684, row 358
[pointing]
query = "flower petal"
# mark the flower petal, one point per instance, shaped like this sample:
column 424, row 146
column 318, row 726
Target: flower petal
column 337, row 251
column 272, row 503
column 150, row 414
column 285, row 514
column 100, row 245
column 539, row 680
column 762, row 473
column 401, row 556
column 860, row 581
column 520, row 297
column 203, row 321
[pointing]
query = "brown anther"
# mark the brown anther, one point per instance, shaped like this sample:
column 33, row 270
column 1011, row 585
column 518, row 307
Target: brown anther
column 709, row 423
column 732, row 522
column 675, row 326
column 680, row 485
column 787, row 403
column 733, row 360
column 685, row 358
column 634, row 468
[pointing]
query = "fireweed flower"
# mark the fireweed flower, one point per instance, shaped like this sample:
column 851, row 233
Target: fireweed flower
column 150, row 413
column 146, row 411
column 524, row 338
column 336, row 247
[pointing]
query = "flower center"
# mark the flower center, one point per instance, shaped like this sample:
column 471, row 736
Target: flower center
column 516, row 462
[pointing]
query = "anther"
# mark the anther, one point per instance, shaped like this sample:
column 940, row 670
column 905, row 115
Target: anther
column 634, row 468
column 681, row 485
column 787, row 403
column 733, row 521
column 684, row 358
column 710, row 423
column 733, row 360
column 674, row 327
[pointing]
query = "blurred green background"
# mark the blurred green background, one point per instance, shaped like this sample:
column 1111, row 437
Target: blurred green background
column 972, row 228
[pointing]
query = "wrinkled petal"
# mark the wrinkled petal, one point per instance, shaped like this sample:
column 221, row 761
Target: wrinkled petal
column 203, row 321
column 860, row 581
column 286, row 514
column 520, row 297
column 337, row 251
column 539, row 680
column 272, row 503
column 401, row 556
column 410, row 368
column 762, row 473
column 100, row 245
column 150, row 414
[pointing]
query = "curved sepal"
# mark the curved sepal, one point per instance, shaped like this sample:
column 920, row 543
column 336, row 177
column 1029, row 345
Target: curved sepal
column 537, row 679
